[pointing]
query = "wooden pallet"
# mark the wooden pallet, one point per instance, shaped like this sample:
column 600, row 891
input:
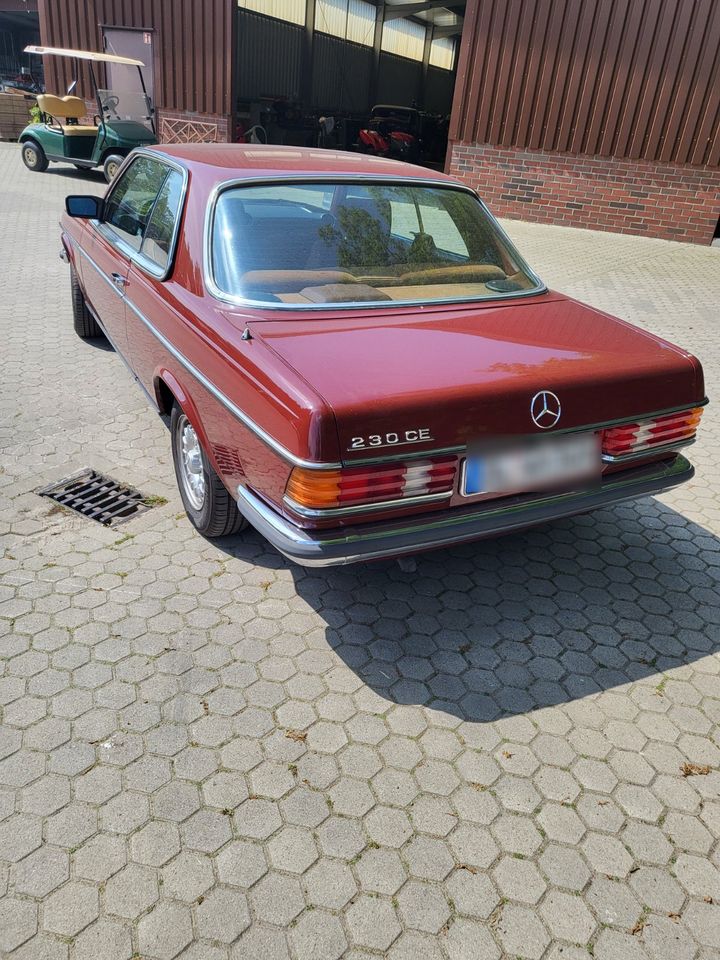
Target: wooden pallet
column 14, row 114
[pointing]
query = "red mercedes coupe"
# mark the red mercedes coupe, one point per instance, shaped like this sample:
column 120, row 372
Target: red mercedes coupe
column 355, row 359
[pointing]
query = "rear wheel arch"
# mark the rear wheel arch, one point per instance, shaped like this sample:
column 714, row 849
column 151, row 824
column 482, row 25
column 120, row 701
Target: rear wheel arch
column 170, row 391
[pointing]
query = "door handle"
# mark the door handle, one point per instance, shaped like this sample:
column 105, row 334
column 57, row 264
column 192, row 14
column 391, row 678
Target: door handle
column 119, row 280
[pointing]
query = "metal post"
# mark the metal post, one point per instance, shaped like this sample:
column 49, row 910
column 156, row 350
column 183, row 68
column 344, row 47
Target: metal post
column 377, row 41
column 429, row 31
column 306, row 81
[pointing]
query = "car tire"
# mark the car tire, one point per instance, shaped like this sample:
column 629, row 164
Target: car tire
column 111, row 166
column 85, row 324
column 209, row 506
column 34, row 157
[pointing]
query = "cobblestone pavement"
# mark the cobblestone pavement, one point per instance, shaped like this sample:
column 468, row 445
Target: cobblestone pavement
column 206, row 752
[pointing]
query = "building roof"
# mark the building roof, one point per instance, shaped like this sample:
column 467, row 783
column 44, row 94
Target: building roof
column 258, row 160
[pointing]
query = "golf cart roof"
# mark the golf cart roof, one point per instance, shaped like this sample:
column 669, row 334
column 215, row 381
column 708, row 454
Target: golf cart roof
column 84, row 55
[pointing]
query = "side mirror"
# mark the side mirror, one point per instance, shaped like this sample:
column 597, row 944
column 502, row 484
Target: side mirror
column 84, row 207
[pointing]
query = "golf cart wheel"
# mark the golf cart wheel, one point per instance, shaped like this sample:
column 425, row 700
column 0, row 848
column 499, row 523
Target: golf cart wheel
column 111, row 166
column 34, row 157
column 83, row 321
column 211, row 509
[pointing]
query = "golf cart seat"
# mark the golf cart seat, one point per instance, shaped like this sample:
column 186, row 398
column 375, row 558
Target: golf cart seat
column 69, row 109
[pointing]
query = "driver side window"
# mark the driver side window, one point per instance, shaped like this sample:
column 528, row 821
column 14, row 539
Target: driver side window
column 131, row 201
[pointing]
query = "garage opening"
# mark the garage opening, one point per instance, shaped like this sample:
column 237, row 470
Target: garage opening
column 375, row 77
column 19, row 26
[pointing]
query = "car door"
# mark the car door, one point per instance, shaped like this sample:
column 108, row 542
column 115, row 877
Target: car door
column 116, row 240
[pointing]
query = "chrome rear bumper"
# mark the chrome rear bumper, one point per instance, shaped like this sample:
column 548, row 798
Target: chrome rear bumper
column 392, row 538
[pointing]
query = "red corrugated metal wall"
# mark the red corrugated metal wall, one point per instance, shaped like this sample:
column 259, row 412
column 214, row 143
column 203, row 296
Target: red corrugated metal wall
column 636, row 79
column 193, row 45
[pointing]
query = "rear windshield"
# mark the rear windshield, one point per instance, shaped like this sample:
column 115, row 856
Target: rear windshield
column 353, row 244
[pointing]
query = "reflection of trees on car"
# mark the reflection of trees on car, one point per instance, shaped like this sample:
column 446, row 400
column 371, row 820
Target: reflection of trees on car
column 360, row 240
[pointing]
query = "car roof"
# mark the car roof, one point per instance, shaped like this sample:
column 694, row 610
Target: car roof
column 246, row 160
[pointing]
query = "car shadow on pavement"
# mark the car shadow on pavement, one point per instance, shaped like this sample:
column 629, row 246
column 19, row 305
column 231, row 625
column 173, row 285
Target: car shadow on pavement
column 532, row 620
column 100, row 343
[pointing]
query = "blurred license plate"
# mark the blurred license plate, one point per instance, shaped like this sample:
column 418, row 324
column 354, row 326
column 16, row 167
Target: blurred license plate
column 534, row 465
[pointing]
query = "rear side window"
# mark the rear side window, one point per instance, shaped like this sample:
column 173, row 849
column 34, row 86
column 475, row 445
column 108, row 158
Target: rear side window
column 142, row 211
column 130, row 204
column 158, row 237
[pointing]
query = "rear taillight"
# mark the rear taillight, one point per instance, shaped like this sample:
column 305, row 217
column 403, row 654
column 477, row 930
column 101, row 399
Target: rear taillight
column 632, row 439
column 355, row 487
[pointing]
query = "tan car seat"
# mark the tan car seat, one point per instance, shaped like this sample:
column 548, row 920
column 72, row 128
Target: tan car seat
column 67, row 108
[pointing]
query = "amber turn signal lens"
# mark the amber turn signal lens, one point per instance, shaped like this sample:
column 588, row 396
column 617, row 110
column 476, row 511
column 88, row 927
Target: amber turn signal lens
column 314, row 488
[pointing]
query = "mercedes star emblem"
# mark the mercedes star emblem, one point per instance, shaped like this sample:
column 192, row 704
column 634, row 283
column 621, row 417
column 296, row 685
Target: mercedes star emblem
column 545, row 409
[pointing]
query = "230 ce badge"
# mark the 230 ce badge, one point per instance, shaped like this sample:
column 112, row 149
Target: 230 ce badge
column 392, row 439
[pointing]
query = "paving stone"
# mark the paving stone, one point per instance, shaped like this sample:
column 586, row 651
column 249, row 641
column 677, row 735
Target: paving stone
column 428, row 859
column 257, row 819
column 341, row 837
column 473, row 845
column 473, row 893
column 222, row 915
column 206, row 830
column 372, row 923
column 567, row 917
column 260, row 941
column 521, row 932
column 657, row 889
column 104, row 940
column 519, row 880
column 329, row 883
column 70, row 909
column 41, row 872
column 467, row 939
column 292, row 850
column 422, row 906
column 19, row 836
column 42, row 947
column 318, row 935
column 155, row 844
column 18, row 922
column 381, row 871
column 277, row 899
column 240, row 863
column 99, row 858
column 614, row 902
column 165, row 931
column 131, row 891
column 564, row 867
column 606, row 855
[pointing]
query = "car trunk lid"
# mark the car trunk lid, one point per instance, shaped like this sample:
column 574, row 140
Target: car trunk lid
column 447, row 377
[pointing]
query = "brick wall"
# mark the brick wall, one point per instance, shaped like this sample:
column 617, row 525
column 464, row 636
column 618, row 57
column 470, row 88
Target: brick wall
column 625, row 196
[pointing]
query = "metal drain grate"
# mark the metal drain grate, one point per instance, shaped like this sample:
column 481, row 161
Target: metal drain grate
column 100, row 498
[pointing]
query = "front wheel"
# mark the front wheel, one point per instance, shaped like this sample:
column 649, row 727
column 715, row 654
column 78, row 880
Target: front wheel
column 34, row 157
column 111, row 166
column 211, row 509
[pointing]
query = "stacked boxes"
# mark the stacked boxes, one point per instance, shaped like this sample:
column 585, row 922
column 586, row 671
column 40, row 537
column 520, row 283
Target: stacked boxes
column 14, row 114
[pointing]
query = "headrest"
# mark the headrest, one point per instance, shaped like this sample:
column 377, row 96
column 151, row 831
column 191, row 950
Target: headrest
column 71, row 108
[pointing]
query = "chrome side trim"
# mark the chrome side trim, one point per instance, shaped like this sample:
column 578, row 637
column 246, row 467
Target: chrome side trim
column 239, row 414
column 215, row 291
column 648, row 452
column 397, row 504
column 144, row 263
